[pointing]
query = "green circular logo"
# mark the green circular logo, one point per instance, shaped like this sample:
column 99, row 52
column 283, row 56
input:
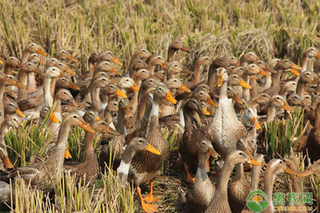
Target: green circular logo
column 257, row 201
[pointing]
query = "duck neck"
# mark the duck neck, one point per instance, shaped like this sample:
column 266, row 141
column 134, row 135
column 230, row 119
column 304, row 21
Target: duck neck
column 134, row 100
column 58, row 108
column 300, row 88
column 271, row 113
column 201, row 170
column 32, row 84
column 267, row 83
column 239, row 172
column 142, row 108
column 304, row 62
column 197, row 73
column 170, row 54
column 57, row 157
column 145, row 119
column 151, row 67
column 182, row 120
column 53, row 86
column 246, row 92
column 88, row 146
column 96, row 102
column 7, row 69
column 255, row 177
column 91, row 70
column 223, row 90
column 48, row 100
column 268, row 184
column 154, row 123
column 223, row 180
column 276, row 77
column 283, row 92
column 296, row 184
column 254, row 90
column 23, row 79
column 128, row 154
column 121, row 127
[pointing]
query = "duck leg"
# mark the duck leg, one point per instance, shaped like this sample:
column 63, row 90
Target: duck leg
column 189, row 178
column 149, row 208
column 150, row 198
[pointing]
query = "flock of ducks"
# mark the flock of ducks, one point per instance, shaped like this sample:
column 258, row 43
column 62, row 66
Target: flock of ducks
column 216, row 116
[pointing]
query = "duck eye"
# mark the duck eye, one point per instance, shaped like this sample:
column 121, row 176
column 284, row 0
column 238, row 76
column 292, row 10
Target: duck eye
column 240, row 153
column 74, row 116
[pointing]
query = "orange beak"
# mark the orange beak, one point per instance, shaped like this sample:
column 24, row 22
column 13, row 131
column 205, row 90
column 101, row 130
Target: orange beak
column 136, row 88
column 295, row 72
column 186, row 49
column 61, row 75
column 170, row 98
column 116, row 60
column 220, row 80
column 72, row 58
column 86, row 127
column 67, row 154
column 212, row 153
column 211, row 102
column 205, row 111
column 70, row 71
column 98, row 118
column 20, row 113
column 1, row 62
column 54, row 118
column 253, row 162
column 244, row 84
column 41, row 52
column 287, row 108
column 5, row 159
column 289, row 171
column 73, row 86
column 115, row 71
column 10, row 81
column 237, row 99
column 74, row 104
column 42, row 61
column 318, row 55
column 261, row 72
column 121, row 94
column 164, row 65
column 153, row 150
column 256, row 122
column 184, row 88
column 296, row 67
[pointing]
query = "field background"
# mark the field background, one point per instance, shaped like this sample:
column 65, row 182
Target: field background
column 270, row 28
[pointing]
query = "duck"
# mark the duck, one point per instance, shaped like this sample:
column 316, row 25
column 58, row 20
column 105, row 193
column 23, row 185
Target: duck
column 137, row 144
column 144, row 166
column 255, row 174
column 64, row 55
column 295, row 180
column 305, row 77
column 295, row 100
column 200, row 196
column 23, row 79
column 198, row 64
column 138, row 77
column 44, row 175
column 136, row 65
column 6, row 80
column 109, row 56
column 280, row 67
column 248, row 58
column 275, row 166
column 275, row 103
column 138, row 56
column 174, row 47
column 313, row 142
column 88, row 169
column 11, row 108
column 12, row 121
column 11, row 63
column 287, row 87
column 92, row 60
column 225, row 128
column 155, row 60
column 308, row 54
column 216, row 63
column 260, row 100
column 219, row 203
column 188, row 146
